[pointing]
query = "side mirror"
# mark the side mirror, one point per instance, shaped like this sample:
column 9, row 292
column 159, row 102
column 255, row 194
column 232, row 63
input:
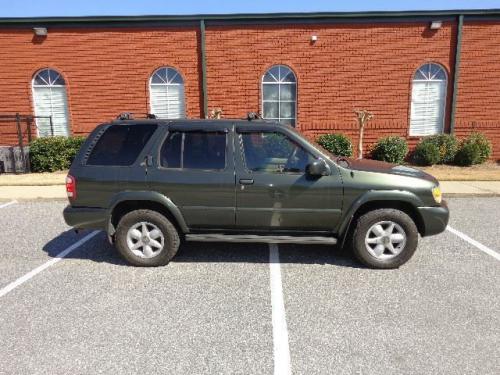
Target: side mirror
column 318, row 168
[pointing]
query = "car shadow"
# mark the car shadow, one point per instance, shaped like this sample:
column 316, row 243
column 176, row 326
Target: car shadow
column 199, row 252
column 98, row 249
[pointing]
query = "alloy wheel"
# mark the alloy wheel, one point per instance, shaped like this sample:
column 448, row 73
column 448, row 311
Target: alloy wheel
column 385, row 240
column 145, row 240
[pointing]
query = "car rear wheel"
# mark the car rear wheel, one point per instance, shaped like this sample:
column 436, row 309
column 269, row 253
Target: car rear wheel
column 146, row 238
column 385, row 238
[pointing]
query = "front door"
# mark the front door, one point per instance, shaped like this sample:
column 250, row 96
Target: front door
column 195, row 169
column 273, row 190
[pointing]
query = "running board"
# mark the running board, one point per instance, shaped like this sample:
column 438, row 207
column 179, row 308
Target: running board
column 261, row 239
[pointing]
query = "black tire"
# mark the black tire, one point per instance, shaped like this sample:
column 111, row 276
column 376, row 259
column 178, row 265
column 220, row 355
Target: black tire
column 170, row 234
column 366, row 221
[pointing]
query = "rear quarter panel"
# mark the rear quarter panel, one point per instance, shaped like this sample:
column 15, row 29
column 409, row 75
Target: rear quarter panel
column 97, row 185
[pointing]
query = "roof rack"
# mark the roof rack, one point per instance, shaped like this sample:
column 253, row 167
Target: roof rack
column 130, row 116
column 254, row 116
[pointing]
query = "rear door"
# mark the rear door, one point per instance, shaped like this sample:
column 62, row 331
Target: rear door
column 274, row 192
column 194, row 167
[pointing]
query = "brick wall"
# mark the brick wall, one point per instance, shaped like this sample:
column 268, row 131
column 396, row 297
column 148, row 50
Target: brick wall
column 106, row 71
column 350, row 66
column 478, row 105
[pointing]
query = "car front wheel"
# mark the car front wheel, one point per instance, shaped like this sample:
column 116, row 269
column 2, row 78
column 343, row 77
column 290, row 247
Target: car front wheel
column 146, row 238
column 385, row 238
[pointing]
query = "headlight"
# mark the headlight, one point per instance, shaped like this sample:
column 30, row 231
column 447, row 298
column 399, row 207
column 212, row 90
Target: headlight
column 436, row 193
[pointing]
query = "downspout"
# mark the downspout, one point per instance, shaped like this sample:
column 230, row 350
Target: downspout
column 203, row 68
column 456, row 72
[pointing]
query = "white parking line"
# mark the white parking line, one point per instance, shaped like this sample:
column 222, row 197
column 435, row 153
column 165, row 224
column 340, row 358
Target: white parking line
column 473, row 242
column 280, row 332
column 8, row 204
column 51, row 262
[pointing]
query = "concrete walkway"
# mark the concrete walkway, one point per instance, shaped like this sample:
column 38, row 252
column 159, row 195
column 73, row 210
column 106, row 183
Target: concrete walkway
column 33, row 192
column 450, row 189
column 470, row 188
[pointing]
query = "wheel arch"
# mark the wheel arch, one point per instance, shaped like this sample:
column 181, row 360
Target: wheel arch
column 403, row 201
column 126, row 202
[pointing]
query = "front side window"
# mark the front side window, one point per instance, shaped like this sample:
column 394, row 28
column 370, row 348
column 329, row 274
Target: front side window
column 279, row 95
column 120, row 145
column 428, row 100
column 274, row 153
column 50, row 101
column 194, row 150
column 166, row 89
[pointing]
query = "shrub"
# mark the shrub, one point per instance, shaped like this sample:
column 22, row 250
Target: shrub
column 447, row 145
column 390, row 149
column 51, row 154
column 337, row 144
column 467, row 155
column 427, row 153
column 475, row 149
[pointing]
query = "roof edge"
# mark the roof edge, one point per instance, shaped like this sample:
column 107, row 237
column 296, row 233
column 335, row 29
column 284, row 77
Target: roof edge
column 248, row 16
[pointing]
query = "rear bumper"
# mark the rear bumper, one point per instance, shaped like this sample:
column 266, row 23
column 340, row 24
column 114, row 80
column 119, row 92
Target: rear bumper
column 86, row 217
column 435, row 219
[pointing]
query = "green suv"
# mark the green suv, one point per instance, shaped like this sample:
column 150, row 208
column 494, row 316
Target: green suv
column 152, row 183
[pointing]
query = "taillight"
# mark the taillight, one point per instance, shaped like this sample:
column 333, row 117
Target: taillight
column 71, row 187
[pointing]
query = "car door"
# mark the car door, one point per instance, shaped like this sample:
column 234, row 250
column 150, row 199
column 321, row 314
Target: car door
column 274, row 192
column 194, row 167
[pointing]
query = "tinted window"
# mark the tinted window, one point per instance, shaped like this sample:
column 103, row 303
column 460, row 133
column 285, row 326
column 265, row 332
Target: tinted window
column 171, row 151
column 120, row 144
column 194, row 150
column 274, row 153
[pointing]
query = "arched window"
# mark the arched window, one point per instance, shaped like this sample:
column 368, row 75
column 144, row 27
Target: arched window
column 428, row 100
column 49, row 97
column 279, row 95
column 166, row 89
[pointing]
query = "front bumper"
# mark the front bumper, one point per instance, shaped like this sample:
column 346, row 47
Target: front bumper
column 86, row 217
column 435, row 219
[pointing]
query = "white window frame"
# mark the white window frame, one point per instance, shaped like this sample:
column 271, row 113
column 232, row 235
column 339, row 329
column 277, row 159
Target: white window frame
column 430, row 78
column 50, row 84
column 167, row 84
column 279, row 101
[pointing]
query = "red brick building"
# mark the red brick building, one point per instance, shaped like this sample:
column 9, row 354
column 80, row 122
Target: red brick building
column 418, row 72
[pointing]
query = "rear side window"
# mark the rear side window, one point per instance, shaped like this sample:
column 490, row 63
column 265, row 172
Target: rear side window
column 194, row 150
column 120, row 145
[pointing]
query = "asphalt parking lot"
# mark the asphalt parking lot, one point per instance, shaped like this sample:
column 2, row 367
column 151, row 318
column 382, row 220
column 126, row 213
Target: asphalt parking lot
column 216, row 308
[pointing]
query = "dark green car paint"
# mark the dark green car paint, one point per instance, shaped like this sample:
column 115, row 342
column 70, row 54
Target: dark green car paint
column 205, row 197
column 221, row 201
column 146, row 195
column 291, row 201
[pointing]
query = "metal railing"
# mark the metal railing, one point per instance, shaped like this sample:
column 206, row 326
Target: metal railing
column 29, row 121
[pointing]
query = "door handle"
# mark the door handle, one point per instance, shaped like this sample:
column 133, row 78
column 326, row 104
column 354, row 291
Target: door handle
column 246, row 181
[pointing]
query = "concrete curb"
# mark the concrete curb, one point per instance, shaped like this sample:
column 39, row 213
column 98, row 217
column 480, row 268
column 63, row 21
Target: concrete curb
column 471, row 188
column 470, row 195
column 60, row 195
column 452, row 189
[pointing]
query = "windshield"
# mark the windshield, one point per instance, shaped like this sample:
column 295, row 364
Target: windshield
column 321, row 149
column 318, row 147
column 324, row 150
